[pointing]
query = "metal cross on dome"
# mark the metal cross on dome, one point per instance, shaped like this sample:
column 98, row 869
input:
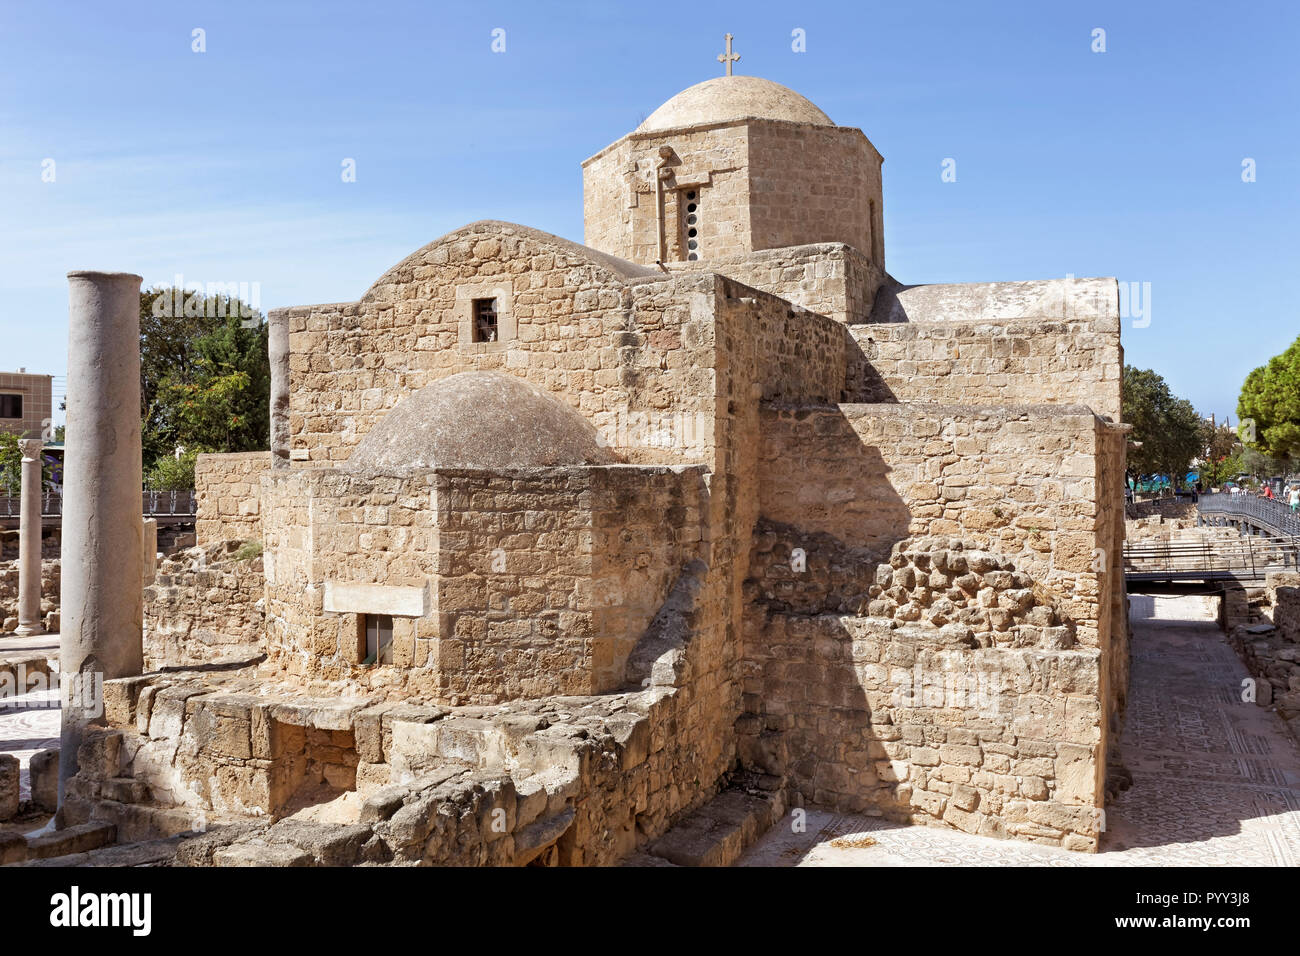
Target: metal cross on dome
column 728, row 58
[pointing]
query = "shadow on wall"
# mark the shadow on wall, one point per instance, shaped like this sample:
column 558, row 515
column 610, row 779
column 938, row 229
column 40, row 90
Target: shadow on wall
column 858, row 713
column 829, row 481
column 829, row 503
column 863, row 383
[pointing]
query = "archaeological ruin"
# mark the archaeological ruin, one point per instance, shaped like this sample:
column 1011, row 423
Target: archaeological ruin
column 612, row 553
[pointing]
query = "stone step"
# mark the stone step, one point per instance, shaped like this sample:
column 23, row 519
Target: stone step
column 147, row 853
column 720, row 831
column 78, row 839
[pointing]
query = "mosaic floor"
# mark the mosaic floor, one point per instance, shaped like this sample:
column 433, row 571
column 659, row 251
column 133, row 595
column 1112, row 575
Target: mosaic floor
column 1216, row 782
column 31, row 722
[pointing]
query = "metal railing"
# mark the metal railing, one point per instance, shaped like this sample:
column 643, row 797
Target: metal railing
column 154, row 504
column 1269, row 512
column 1249, row 557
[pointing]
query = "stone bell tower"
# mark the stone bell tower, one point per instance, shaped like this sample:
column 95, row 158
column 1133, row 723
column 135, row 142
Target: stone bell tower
column 730, row 166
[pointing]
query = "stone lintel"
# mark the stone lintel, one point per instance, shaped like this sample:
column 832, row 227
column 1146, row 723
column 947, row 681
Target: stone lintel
column 397, row 601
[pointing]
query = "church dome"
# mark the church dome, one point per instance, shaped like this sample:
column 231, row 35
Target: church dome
column 725, row 99
column 479, row 420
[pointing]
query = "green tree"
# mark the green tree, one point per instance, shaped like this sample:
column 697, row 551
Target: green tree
column 172, row 473
column 205, row 379
column 11, row 465
column 1257, row 463
column 1167, row 427
column 1221, row 458
column 1270, row 397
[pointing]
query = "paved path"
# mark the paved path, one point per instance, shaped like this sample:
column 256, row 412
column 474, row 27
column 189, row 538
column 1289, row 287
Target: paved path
column 1216, row 782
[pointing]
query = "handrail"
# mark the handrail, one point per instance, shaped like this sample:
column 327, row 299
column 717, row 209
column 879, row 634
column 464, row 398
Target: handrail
column 1268, row 511
column 1243, row 557
column 154, row 504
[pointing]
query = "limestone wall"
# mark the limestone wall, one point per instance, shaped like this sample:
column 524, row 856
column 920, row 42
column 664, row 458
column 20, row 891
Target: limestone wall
column 546, row 580
column 535, row 582
column 1112, row 449
column 50, row 581
column 796, row 355
column 815, row 184
column 1283, row 596
column 227, row 491
column 831, row 279
column 1012, row 362
column 860, row 715
column 205, row 607
column 756, row 184
column 631, row 352
column 619, row 194
column 327, row 525
column 1272, row 654
column 1173, row 509
column 1020, row 481
column 969, row 680
column 570, row 782
column 637, row 358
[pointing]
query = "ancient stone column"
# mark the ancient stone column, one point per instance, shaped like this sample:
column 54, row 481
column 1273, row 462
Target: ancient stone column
column 149, row 557
column 278, row 351
column 102, row 601
column 29, row 538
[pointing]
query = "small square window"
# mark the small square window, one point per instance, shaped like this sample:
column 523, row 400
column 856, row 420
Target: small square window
column 11, row 406
column 375, row 639
column 485, row 320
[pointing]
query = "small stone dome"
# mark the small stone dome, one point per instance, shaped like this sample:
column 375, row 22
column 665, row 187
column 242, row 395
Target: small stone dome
column 724, row 99
column 479, row 420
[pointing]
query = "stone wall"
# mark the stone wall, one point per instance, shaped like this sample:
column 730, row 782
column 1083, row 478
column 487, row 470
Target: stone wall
column 50, row 589
column 798, row 356
column 1282, row 593
column 1264, row 629
column 756, row 184
column 205, row 607
column 815, row 184
column 831, row 279
column 1019, row 481
column 1177, row 509
column 977, row 598
column 227, row 491
column 1011, row 362
column 536, row 581
column 974, row 711
column 327, row 525
column 631, row 352
column 619, row 194
column 570, row 781
column 863, row 715
column 1112, row 623
column 949, row 652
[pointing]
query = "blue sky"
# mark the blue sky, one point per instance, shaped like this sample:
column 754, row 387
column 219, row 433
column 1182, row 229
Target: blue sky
column 225, row 165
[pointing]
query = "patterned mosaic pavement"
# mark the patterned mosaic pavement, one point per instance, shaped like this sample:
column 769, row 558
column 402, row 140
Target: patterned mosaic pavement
column 31, row 722
column 1216, row 782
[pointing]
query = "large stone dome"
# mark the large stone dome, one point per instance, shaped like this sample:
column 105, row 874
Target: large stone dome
column 725, row 99
column 479, row 420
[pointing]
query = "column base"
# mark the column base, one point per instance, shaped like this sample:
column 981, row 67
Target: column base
column 27, row 630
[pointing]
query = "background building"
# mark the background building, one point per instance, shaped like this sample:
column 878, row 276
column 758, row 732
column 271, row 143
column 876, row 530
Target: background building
column 26, row 403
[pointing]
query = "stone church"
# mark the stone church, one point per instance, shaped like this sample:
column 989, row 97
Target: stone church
column 578, row 554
